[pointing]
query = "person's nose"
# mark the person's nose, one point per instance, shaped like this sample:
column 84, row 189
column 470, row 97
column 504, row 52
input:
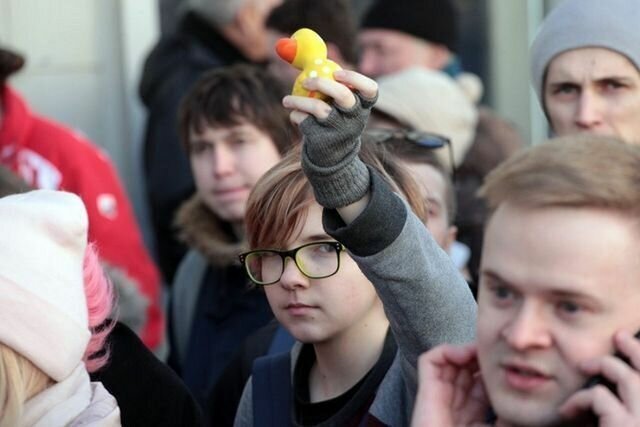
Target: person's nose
column 292, row 278
column 588, row 114
column 528, row 329
column 224, row 161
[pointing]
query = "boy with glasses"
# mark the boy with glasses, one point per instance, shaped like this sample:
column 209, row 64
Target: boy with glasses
column 353, row 364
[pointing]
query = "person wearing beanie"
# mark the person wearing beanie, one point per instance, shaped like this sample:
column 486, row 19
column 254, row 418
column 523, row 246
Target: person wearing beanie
column 585, row 68
column 48, row 155
column 431, row 101
column 396, row 34
column 407, row 101
column 44, row 315
column 148, row 392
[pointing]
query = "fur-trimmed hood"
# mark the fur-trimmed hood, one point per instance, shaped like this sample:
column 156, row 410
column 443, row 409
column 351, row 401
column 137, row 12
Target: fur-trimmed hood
column 201, row 229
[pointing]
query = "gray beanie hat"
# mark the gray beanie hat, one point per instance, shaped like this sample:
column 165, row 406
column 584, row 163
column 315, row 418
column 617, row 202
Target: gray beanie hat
column 573, row 24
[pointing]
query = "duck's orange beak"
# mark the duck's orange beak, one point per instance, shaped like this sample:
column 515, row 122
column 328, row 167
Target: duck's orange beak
column 286, row 49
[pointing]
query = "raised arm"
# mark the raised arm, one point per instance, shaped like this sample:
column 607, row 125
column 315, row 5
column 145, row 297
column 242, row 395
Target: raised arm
column 425, row 297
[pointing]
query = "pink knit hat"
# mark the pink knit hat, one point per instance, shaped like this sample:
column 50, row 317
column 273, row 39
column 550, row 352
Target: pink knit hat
column 43, row 309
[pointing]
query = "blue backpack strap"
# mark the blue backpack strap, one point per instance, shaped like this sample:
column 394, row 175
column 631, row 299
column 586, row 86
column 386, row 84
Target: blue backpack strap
column 272, row 394
column 282, row 341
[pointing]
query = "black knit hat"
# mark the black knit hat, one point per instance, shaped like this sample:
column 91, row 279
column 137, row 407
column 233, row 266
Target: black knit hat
column 10, row 62
column 435, row 21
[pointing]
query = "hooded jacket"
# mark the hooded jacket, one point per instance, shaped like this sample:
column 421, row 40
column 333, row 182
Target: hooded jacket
column 49, row 156
column 212, row 308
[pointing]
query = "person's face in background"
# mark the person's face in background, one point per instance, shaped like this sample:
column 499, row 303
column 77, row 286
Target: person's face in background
column 593, row 90
column 226, row 163
column 251, row 20
column 385, row 52
column 433, row 184
column 555, row 285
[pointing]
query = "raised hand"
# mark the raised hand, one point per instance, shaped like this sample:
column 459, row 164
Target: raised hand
column 339, row 90
column 332, row 139
column 450, row 391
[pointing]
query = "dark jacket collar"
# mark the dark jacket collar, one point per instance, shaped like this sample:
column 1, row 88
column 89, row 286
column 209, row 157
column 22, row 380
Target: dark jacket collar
column 200, row 229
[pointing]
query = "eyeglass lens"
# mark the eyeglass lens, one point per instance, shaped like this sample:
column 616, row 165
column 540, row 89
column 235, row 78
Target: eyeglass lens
column 315, row 261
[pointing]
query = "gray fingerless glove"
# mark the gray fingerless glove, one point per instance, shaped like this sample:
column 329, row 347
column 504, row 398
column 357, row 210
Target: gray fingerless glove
column 330, row 154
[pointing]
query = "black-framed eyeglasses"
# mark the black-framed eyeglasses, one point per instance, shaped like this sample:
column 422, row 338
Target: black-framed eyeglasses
column 424, row 139
column 315, row 260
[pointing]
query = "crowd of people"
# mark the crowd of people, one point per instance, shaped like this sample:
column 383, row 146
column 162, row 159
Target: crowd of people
column 383, row 252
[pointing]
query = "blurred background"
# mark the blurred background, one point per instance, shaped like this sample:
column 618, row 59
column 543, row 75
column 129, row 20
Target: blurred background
column 89, row 54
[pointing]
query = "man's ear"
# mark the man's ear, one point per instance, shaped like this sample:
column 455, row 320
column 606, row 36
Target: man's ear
column 245, row 18
column 437, row 55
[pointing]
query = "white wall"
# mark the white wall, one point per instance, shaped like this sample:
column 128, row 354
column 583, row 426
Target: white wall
column 83, row 62
column 512, row 28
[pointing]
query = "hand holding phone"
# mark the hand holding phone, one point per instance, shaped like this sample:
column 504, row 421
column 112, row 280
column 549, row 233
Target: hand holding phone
column 601, row 379
column 612, row 396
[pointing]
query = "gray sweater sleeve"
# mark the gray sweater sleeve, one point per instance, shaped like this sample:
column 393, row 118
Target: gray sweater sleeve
column 426, row 299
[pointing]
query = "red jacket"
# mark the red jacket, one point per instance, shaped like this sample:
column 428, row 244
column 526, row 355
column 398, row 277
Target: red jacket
column 48, row 155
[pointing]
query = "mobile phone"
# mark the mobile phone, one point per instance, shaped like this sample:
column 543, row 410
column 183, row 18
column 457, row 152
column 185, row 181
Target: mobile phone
column 589, row 418
column 600, row 379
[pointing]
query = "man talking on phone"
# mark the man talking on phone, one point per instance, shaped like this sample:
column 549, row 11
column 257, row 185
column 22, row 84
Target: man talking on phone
column 559, row 296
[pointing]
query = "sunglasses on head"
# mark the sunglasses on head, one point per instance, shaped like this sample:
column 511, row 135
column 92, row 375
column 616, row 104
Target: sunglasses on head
column 423, row 139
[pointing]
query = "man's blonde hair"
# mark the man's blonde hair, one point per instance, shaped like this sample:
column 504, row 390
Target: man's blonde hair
column 574, row 171
column 19, row 381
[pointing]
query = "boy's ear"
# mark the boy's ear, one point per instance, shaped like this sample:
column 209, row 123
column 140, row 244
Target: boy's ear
column 452, row 234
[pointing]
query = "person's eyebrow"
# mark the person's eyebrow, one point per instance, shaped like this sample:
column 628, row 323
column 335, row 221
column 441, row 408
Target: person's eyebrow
column 435, row 200
column 554, row 292
column 495, row 278
column 317, row 238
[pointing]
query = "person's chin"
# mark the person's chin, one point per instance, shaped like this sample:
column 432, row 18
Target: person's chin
column 230, row 213
column 521, row 410
column 306, row 332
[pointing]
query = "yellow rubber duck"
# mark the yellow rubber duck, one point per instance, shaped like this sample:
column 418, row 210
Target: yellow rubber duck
column 306, row 51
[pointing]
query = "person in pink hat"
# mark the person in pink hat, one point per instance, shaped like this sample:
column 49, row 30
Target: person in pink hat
column 51, row 289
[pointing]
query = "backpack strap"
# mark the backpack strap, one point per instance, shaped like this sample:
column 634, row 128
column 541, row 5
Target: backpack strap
column 282, row 341
column 272, row 394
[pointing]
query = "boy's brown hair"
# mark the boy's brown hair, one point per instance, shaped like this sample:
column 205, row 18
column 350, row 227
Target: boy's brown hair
column 574, row 171
column 233, row 95
column 279, row 201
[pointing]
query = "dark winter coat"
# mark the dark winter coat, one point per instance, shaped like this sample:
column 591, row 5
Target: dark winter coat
column 172, row 67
